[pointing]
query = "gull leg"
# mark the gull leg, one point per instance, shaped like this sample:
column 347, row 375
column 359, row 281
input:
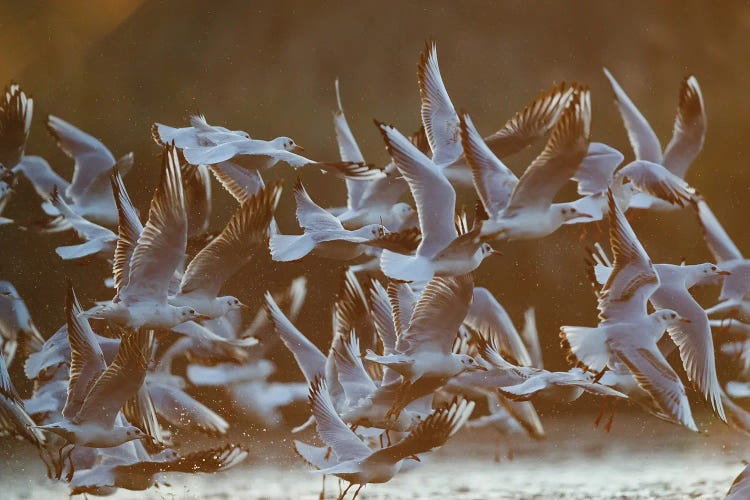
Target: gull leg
column 381, row 439
column 342, row 495
column 357, row 492
column 388, row 436
column 328, row 453
column 584, row 232
column 599, row 375
column 600, row 415
column 322, row 495
column 598, row 230
column 608, row 427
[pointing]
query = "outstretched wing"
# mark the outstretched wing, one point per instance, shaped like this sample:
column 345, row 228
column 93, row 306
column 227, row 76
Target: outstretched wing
column 531, row 123
column 161, row 245
column 227, row 253
column 633, row 278
column 438, row 115
column 689, row 129
column 643, row 140
column 119, row 382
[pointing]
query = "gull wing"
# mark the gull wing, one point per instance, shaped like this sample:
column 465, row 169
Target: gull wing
column 91, row 156
column 119, row 382
column 643, row 140
column 438, row 115
column 694, row 341
column 656, row 377
column 182, row 410
column 433, row 194
column 348, row 152
column 721, row 245
column 531, row 123
column 429, row 434
column 243, row 235
column 487, row 316
column 596, row 171
column 86, row 357
column 16, row 111
column 42, row 177
column 309, row 358
column 653, row 179
column 129, row 229
column 352, row 375
column 85, row 228
column 331, row 429
column 161, row 245
column 310, row 215
column 689, row 131
column 437, row 316
column 633, row 278
column 240, row 182
column 493, row 181
column 559, row 161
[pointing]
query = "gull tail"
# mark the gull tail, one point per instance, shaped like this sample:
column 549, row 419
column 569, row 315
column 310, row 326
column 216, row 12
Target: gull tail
column 406, row 267
column 396, row 362
column 285, row 248
column 586, row 345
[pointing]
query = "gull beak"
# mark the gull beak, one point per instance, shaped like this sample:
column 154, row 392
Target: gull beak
column 244, row 307
column 298, row 149
column 414, row 457
column 724, row 273
column 585, row 215
column 482, row 368
column 496, row 252
column 685, row 320
column 202, row 317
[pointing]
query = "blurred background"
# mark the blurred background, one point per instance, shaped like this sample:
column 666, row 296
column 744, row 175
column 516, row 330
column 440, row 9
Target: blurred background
column 114, row 68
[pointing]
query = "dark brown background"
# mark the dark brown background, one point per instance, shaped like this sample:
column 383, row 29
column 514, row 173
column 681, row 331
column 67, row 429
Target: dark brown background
column 113, row 68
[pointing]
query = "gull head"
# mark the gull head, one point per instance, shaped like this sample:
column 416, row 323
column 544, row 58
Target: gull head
column 402, row 211
column 131, row 433
column 469, row 364
column 668, row 317
column 709, row 273
column 567, row 211
column 189, row 314
column 371, row 231
column 487, row 250
column 231, row 303
column 287, row 144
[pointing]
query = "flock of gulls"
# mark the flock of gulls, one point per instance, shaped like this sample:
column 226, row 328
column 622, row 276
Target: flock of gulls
column 415, row 345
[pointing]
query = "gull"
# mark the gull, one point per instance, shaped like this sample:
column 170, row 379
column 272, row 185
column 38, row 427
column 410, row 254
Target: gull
column 687, row 137
column 442, row 252
column 358, row 464
column 6, row 190
column 97, row 392
column 626, row 334
column 129, row 471
column 524, row 209
column 16, row 323
column 373, row 201
column 639, row 179
column 424, row 349
column 255, row 154
column 693, row 338
column 244, row 234
column 199, row 133
column 144, row 264
column 89, row 193
column 324, row 235
column 441, row 122
column 728, row 258
column 538, row 383
column 100, row 241
column 14, row 420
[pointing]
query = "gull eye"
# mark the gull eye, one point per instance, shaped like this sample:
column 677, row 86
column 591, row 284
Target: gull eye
column 714, row 268
column 673, row 316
